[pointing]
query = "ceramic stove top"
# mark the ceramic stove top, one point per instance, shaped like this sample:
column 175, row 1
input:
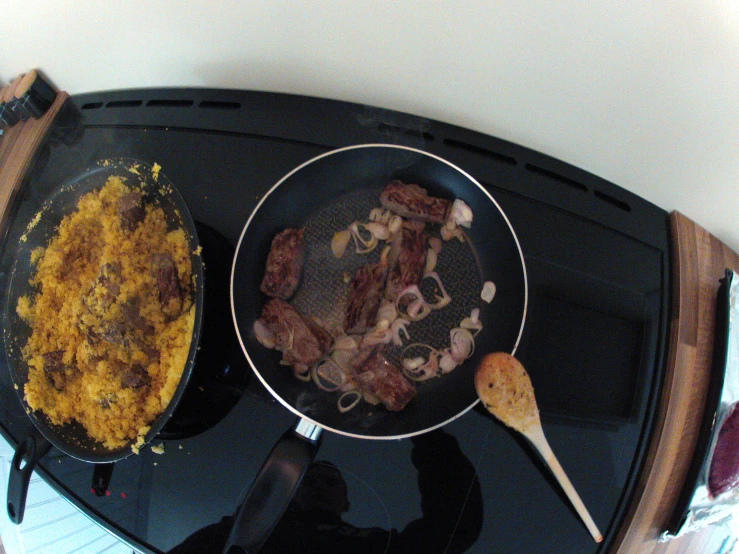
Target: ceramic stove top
column 594, row 342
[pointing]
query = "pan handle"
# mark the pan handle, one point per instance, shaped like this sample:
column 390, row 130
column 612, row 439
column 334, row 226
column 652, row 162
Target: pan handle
column 29, row 452
column 273, row 488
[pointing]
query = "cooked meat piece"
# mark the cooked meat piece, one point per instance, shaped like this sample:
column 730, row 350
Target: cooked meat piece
column 134, row 377
column 53, row 361
column 407, row 259
column 284, row 264
column 104, row 289
column 365, row 296
column 131, row 210
column 302, row 341
column 383, row 379
column 414, row 202
column 164, row 272
column 55, row 369
column 112, row 332
column 132, row 319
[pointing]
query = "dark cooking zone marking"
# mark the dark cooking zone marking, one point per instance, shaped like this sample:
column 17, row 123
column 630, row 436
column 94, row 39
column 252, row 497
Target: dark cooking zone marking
column 620, row 204
column 557, row 177
column 387, row 128
column 170, row 103
column 124, row 104
column 503, row 158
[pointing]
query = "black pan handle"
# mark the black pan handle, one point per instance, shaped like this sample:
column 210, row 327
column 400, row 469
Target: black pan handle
column 29, row 452
column 273, row 488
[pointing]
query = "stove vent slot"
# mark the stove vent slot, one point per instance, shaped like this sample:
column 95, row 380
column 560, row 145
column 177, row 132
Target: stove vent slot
column 556, row 177
column 169, row 103
column 92, row 106
column 620, row 204
column 124, row 104
column 497, row 156
column 215, row 105
column 387, row 128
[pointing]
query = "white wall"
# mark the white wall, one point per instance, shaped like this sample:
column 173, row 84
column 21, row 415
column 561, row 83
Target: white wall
column 644, row 94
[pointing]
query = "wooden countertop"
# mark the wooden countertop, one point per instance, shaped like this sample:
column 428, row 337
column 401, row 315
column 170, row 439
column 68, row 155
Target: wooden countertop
column 699, row 260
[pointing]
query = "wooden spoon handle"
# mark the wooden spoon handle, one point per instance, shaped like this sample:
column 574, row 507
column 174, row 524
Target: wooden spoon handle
column 537, row 438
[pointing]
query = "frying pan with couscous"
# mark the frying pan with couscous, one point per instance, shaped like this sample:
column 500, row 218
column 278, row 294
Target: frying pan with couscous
column 120, row 354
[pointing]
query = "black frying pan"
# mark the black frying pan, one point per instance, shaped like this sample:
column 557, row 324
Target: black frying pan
column 72, row 439
column 325, row 195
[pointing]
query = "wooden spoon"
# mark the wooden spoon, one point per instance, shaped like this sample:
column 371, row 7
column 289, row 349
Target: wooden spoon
column 505, row 389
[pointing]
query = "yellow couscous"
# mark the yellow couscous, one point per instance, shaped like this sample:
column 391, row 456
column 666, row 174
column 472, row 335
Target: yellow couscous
column 109, row 342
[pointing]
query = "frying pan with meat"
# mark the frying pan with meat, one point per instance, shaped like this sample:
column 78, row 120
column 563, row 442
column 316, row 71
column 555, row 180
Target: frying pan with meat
column 72, row 439
column 325, row 195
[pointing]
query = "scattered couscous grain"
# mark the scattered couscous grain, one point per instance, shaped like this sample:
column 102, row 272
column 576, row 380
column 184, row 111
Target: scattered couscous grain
column 104, row 349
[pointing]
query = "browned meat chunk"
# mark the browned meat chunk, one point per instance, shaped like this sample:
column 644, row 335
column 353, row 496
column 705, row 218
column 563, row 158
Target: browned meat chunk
column 131, row 210
column 407, row 259
column 164, row 271
column 132, row 318
column 284, row 264
column 135, row 377
column 302, row 341
column 365, row 296
column 381, row 378
column 55, row 369
column 414, row 202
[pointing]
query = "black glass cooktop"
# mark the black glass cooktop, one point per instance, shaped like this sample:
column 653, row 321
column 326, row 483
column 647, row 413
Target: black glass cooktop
column 594, row 343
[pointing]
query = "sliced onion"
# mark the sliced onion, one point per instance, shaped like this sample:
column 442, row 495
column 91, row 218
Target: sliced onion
column 462, row 344
column 413, row 363
column 387, row 312
column 328, row 372
column 425, row 370
column 399, row 326
column 369, row 245
column 488, row 291
column 345, row 342
column 417, row 308
column 378, row 230
column 461, row 214
column 339, row 242
column 473, row 322
column 394, row 224
column 343, row 408
column 304, row 376
column 380, row 215
column 379, row 336
column 435, row 245
column 442, row 300
column 447, row 362
column 264, row 336
column 430, row 261
column 448, row 233
column 342, row 358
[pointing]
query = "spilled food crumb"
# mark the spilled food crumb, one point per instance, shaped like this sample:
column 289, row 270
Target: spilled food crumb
column 159, row 449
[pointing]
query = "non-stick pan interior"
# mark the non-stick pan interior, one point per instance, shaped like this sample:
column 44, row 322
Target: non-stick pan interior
column 72, row 438
column 325, row 196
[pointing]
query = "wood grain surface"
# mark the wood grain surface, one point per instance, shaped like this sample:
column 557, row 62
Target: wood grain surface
column 18, row 148
column 698, row 262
